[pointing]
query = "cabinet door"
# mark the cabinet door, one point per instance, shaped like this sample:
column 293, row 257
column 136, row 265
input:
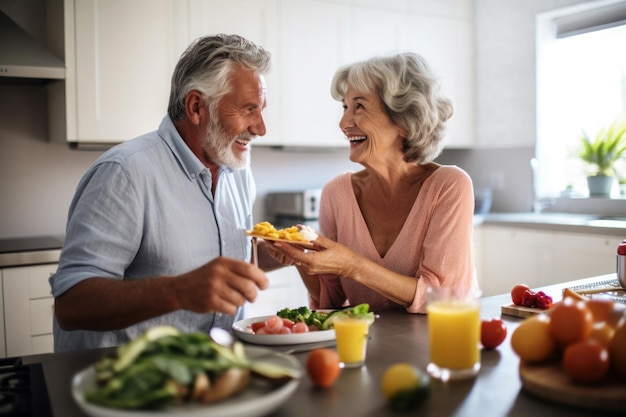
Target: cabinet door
column 119, row 56
column 515, row 256
column 28, row 309
column 316, row 41
column 448, row 45
column 581, row 255
column 256, row 20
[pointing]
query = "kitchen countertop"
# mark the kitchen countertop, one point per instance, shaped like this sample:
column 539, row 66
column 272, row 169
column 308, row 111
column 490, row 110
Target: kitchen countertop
column 394, row 337
column 30, row 250
column 567, row 222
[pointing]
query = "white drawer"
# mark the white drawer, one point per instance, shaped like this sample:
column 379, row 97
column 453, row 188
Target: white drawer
column 41, row 313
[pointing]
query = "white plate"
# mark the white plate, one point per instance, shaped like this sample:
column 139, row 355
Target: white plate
column 259, row 399
column 245, row 333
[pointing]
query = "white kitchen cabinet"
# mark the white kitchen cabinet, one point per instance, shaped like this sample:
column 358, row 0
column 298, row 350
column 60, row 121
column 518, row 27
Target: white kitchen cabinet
column 286, row 290
column 258, row 21
column 448, row 46
column 119, row 57
column 28, row 309
column 315, row 42
column 514, row 255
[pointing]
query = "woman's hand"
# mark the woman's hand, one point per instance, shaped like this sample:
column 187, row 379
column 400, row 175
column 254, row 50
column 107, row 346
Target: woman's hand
column 325, row 257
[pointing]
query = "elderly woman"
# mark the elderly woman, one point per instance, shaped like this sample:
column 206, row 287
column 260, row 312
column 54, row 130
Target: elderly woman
column 403, row 223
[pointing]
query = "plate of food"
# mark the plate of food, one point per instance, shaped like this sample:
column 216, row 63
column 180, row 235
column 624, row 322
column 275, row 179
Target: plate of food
column 282, row 328
column 269, row 379
column 297, row 235
column 244, row 330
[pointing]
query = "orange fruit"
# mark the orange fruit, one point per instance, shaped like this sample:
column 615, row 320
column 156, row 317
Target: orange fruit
column 619, row 311
column 532, row 341
column 617, row 349
column 568, row 292
column 323, row 367
column 602, row 333
column 571, row 321
column 586, row 362
column 601, row 309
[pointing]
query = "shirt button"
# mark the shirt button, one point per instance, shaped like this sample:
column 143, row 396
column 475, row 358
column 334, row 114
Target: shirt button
column 193, row 176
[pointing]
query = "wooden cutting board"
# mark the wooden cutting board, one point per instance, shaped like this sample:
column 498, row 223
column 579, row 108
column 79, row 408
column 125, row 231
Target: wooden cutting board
column 519, row 311
column 549, row 381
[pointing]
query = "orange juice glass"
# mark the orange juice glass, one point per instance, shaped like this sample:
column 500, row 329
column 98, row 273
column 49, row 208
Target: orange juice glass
column 453, row 333
column 351, row 336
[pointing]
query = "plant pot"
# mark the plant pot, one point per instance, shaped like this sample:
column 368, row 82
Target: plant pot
column 600, row 185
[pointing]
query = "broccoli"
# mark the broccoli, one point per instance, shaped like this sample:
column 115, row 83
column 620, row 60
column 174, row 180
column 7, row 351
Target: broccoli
column 321, row 319
column 297, row 314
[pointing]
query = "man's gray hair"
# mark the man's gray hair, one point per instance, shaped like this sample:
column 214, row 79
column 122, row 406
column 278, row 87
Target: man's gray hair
column 205, row 67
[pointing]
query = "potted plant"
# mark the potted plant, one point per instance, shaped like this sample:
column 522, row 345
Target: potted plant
column 601, row 153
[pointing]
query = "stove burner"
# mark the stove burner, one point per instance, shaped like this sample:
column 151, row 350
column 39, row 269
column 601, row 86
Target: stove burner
column 23, row 391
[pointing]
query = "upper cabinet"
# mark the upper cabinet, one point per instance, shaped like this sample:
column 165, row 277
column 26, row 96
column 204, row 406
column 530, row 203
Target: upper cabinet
column 120, row 55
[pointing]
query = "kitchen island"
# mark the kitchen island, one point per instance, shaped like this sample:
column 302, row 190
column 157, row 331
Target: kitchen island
column 394, row 337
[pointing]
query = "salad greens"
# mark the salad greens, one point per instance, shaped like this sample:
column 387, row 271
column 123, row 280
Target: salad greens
column 323, row 320
column 163, row 367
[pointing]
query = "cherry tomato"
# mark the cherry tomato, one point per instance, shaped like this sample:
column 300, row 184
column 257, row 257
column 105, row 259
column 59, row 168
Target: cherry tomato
column 528, row 298
column 586, row 362
column 492, row 333
column 257, row 325
column 323, row 367
column 516, row 293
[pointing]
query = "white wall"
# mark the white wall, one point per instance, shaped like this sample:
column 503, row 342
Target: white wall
column 38, row 178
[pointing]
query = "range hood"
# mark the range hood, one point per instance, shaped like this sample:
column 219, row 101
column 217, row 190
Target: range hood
column 21, row 56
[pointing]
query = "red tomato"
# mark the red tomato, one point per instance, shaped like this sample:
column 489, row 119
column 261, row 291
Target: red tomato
column 586, row 362
column 492, row 333
column 323, row 367
column 517, row 292
column 256, row 326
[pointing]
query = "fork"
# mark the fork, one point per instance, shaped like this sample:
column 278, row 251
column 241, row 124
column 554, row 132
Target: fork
column 255, row 252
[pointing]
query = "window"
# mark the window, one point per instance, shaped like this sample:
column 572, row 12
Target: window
column 581, row 85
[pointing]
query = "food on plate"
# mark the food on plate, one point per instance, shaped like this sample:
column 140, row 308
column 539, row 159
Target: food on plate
column 164, row 366
column 404, row 386
column 523, row 295
column 588, row 337
column 323, row 367
column 298, row 233
column 302, row 320
column 492, row 333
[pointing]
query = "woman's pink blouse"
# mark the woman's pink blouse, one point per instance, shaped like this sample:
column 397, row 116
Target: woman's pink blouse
column 435, row 244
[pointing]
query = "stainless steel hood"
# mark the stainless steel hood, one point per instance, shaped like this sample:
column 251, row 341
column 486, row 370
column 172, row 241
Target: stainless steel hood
column 21, row 56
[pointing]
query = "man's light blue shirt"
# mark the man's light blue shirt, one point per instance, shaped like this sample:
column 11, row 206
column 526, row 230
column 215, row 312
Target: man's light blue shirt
column 145, row 208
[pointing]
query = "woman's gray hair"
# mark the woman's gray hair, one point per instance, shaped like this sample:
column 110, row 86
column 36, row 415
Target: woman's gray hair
column 411, row 97
column 205, row 66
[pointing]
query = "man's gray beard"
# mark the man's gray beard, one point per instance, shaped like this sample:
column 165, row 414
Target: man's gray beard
column 218, row 145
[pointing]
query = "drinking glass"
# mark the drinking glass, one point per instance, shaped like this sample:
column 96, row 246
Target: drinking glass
column 351, row 336
column 453, row 333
